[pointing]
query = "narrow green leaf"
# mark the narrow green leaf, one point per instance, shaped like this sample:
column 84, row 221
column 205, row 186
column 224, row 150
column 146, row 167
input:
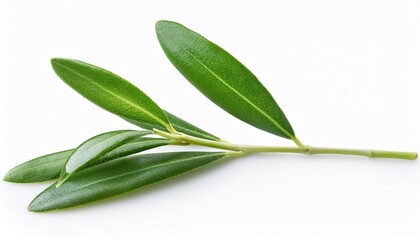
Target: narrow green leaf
column 91, row 150
column 132, row 147
column 187, row 128
column 118, row 177
column 39, row 169
column 222, row 78
column 109, row 91
column 180, row 125
column 48, row 167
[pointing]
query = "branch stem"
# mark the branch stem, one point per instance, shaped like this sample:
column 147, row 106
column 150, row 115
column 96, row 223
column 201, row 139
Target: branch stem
column 301, row 149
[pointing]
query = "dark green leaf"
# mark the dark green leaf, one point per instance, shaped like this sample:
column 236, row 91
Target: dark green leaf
column 118, row 177
column 49, row 167
column 222, row 78
column 110, row 91
column 91, row 150
column 180, row 125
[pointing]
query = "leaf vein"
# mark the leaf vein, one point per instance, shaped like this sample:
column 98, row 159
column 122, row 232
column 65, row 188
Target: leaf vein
column 235, row 91
column 141, row 170
column 117, row 96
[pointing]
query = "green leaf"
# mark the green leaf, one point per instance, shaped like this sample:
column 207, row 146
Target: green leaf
column 222, row 78
column 39, row 169
column 133, row 147
column 180, row 125
column 110, row 91
column 118, row 177
column 48, row 167
column 91, row 150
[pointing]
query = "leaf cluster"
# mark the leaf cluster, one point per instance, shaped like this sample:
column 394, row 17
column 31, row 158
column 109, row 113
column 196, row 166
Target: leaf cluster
column 112, row 163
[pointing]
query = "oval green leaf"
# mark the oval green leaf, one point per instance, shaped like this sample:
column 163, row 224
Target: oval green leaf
column 49, row 167
column 109, row 91
column 91, row 150
column 180, row 125
column 118, row 177
column 222, row 78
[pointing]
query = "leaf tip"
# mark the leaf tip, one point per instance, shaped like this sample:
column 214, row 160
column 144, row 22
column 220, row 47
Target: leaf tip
column 60, row 62
column 162, row 25
column 8, row 177
column 55, row 61
column 35, row 206
column 160, row 22
column 59, row 183
column 31, row 208
column 13, row 176
column 61, row 180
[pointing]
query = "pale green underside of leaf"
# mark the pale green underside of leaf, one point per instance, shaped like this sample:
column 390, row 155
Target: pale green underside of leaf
column 48, row 167
column 39, row 169
column 180, row 125
column 94, row 148
column 109, row 91
column 118, row 177
column 222, row 78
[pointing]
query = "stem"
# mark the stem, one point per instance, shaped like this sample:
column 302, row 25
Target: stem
column 342, row 151
column 171, row 129
column 302, row 149
column 178, row 143
column 198, row 141
column 299, row 143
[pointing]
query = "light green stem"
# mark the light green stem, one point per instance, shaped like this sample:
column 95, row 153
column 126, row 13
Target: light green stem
column 302, row 149
column 198, row 141
column 299, row 143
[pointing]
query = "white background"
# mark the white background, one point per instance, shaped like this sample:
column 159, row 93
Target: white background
column 346, row 73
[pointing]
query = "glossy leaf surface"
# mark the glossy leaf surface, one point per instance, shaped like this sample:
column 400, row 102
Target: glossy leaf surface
column 222, row 78
column 118, row 177
column 180, row 125
column 109, row 91
column 91, row 150
column 135, row 146
column 49, row 167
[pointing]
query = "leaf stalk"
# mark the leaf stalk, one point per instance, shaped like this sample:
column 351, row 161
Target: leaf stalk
column 303, row 149
column 299, row 143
